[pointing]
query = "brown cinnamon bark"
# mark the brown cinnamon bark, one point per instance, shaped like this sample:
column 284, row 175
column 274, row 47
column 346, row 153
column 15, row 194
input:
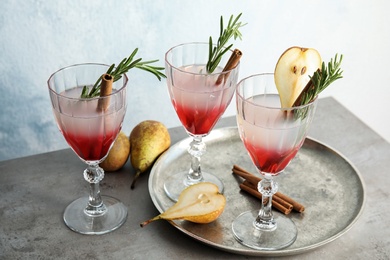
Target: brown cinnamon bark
column 231, row 64
column 258, row 195
column 251, row 182
column 278, row 196
column 246, row 176
column 105, row 90
column 296, row 205
column 277, row 202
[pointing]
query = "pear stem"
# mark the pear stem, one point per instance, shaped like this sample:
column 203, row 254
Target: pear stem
column 150, row 221
column 137, row 174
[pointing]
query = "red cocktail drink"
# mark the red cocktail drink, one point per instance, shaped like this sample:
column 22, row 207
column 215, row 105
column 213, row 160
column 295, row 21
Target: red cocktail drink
column 199, row 99
column 272, row 136
column 90, row 129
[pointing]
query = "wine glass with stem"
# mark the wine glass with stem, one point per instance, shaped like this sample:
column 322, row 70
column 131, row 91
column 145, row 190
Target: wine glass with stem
column 272, row 135
column 199, row 99
column 90, row 129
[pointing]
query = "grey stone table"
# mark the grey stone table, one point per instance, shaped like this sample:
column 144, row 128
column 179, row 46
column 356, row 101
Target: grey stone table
column 35, row 190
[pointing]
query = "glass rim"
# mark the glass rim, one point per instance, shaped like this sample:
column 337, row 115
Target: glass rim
column 311, row 103
column 187, row 72
column 79, row 98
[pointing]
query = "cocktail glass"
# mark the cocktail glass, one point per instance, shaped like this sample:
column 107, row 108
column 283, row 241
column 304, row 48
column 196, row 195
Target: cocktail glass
column 199, row 99
column 272, row 136
column 90, row 131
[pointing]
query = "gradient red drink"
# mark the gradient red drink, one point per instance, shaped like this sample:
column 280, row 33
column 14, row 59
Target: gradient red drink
column 88, row 131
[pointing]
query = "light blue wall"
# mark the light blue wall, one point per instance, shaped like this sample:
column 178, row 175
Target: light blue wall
column 39, row 37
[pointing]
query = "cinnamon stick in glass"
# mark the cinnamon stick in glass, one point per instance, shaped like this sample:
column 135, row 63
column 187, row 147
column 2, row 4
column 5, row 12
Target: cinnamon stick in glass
column 231, row 64
column 105, row 90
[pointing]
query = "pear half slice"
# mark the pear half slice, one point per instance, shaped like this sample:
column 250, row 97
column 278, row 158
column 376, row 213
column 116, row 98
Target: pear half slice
column 293, row 71
column 198, row 203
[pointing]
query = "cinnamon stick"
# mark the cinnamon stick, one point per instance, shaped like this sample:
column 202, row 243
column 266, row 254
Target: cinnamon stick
column 278, row 195
column 277, row 203
column 296, row 205
column 275, row 198
column 105, row 90
column 231, row 64
column 246, row 175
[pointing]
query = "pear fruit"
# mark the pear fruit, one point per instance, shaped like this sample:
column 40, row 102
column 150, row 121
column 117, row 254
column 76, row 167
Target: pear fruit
column 118, row 155
column 148, row 140
column 198, row 203
column 293, row 71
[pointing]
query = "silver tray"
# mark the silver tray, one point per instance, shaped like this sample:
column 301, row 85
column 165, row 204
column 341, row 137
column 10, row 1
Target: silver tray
column 319, row 177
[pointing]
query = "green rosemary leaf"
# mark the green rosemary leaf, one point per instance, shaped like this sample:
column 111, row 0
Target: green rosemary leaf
column 84, row 92
column 216, row 52
column 321, row 79
column 110, row 68
column 123, row 67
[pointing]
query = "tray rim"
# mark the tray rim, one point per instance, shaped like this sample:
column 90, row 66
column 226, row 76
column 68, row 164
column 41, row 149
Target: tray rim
column 248, row 251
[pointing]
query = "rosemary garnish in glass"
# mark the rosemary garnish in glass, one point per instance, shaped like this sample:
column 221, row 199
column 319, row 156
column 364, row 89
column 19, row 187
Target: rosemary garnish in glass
column 124, row 66
column 320, row 80
column 216, row 52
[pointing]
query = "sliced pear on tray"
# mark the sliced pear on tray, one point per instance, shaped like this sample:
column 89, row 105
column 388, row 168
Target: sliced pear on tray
column 293, row 71
column 198, row 203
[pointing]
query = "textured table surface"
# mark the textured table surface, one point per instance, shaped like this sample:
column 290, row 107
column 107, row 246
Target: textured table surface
column 35, row 190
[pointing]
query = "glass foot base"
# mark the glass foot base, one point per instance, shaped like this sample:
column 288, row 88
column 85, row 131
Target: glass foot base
column 76, row 219
column 177, row 183
column 283, row 236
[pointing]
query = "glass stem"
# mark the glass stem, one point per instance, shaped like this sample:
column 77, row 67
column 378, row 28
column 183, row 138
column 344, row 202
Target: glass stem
column 265, row 220
column 196, row 149
column 94, row 174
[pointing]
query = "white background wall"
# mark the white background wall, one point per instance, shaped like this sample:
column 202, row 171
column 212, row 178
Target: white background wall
column 38, row 37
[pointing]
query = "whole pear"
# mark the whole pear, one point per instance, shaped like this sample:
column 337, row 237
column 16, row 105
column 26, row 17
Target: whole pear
column 199, row 203
column 148, row 140
column 118, row 155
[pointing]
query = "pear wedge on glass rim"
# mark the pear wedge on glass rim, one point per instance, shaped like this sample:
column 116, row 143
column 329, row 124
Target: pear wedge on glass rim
column 198, row 203
column 293, row 71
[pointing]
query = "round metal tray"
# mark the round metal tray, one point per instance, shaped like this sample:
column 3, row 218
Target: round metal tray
column 319, row 177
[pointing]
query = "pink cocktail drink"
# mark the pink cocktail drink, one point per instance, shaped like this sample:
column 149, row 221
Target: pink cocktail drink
column 86, row 149
column 199, row 102
column 89, row 131
column 199, row 98
column 271, row 161
column 90, row 127
column 271, row 136
column 198, row 121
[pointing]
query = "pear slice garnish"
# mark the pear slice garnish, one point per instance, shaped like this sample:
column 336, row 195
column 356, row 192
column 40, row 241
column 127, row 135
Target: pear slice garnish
column 198, row 203
column 293, row 71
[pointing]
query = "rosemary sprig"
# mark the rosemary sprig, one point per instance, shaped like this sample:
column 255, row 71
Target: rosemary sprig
column 216, row 52
column 124, row 66
column 321, row 79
